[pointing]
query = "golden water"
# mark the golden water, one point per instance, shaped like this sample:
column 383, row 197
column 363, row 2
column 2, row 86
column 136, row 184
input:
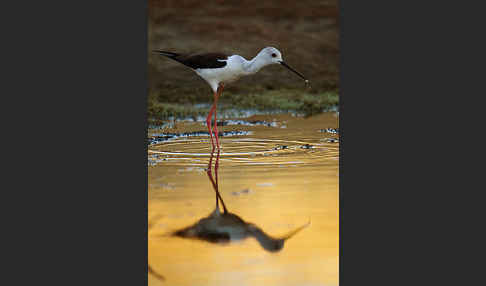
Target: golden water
column 286, row 188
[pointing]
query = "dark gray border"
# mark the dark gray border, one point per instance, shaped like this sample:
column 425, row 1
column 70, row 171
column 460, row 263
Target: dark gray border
column 406, row 83
column 77, row 74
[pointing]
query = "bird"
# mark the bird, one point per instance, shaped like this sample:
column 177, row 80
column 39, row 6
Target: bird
column 218, row 69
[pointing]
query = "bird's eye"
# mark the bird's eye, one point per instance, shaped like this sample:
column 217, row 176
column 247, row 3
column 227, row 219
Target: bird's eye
column 274, row 55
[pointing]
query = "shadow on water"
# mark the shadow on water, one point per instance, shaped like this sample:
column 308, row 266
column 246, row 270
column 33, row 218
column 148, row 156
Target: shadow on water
column 225, row 227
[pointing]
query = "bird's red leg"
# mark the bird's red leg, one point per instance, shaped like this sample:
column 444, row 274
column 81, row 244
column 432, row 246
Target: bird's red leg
column 208, row 121
column 215, row 128
column 216, row 96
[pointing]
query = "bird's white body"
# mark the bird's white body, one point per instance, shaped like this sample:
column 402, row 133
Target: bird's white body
column 229, row 73
column 237, row 66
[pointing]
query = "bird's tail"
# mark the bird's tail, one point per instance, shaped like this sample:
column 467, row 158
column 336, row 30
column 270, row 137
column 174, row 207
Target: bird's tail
column 167, row 54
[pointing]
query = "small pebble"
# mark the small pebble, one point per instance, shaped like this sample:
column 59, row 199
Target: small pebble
column 330, row 130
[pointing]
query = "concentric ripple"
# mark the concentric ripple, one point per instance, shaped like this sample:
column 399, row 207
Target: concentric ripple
column 244, row 151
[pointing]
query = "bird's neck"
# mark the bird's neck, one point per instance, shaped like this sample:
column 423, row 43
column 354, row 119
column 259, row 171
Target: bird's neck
column 267, row 242
column 254, row 65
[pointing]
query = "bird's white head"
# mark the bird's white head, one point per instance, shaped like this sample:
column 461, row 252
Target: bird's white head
column 271, row 55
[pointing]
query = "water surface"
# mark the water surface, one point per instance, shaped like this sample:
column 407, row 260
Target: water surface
column 278, row 177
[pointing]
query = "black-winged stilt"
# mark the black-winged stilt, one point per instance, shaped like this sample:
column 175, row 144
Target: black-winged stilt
column 218, row 69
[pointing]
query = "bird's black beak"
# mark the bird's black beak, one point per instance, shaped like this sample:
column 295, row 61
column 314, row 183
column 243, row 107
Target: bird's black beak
column 299, row 74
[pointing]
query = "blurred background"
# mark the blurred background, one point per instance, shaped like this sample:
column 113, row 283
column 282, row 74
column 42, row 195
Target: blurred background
column 305, row 31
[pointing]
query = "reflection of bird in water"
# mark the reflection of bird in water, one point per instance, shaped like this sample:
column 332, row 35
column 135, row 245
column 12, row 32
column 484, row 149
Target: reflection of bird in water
column 226, row 227
column 217, row 69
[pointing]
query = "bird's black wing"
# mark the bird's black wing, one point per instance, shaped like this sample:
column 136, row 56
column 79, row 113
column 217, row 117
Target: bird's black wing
column 198, row 61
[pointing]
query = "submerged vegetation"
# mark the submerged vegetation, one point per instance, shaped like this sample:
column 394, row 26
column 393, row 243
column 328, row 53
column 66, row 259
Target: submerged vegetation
column 285, row 100
column 163, row 111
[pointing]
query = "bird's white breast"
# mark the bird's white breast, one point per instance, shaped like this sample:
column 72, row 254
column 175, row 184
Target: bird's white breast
column 229, row 73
